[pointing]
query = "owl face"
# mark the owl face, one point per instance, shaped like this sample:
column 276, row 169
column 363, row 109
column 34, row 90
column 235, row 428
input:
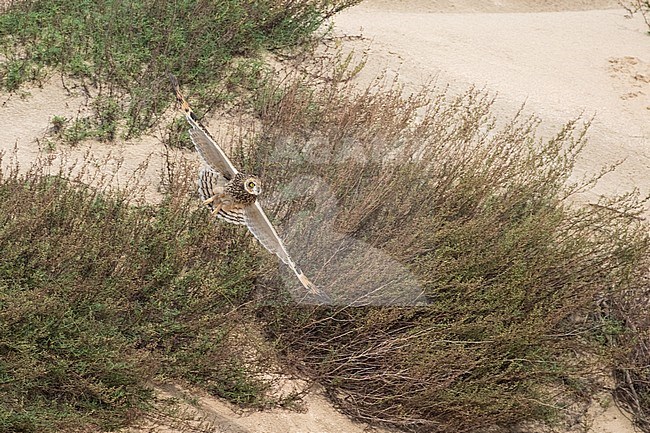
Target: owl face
column 252, row 185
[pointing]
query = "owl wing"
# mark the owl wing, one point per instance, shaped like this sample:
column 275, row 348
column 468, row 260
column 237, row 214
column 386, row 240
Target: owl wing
column 212, row 154
column 263, row 230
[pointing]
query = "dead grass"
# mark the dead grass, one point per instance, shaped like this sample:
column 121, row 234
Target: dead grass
column 632, row 345
column 456, row 267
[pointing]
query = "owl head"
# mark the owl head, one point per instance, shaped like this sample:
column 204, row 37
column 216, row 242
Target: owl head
column 252, row 185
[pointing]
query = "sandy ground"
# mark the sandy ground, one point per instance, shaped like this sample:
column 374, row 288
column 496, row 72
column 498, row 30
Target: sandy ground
column 561, row 64
column 563, row 60
column 26, row 131
column 191, row 410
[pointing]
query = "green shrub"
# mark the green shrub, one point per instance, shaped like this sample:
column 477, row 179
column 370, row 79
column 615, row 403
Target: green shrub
column 127, row 48
column 102, row 125
column 99, row 296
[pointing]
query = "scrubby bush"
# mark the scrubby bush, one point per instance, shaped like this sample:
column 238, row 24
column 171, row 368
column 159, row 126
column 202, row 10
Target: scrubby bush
column 126, row 48
column 463, row 280
column 631, row 346
column 99, row 296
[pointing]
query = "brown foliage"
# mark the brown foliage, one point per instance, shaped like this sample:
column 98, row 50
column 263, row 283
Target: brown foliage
column 456, row 266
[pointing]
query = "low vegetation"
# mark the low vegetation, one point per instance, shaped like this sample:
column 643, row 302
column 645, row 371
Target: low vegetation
column 99, row 296
column 466, row 282
column 631, row 347
column 479, row 283
column 641, row 7
column 124, row 50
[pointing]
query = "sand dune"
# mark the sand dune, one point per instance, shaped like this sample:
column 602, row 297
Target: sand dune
column 561, row 64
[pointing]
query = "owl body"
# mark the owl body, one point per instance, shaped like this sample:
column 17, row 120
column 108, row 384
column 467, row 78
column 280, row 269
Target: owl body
column 243, row 188
column 228, row 199
column 232, row 195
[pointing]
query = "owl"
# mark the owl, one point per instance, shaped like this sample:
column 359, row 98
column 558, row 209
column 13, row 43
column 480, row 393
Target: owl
column 232, row 195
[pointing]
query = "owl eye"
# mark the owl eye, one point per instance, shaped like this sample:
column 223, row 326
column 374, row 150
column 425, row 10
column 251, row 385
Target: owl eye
column 251, row 184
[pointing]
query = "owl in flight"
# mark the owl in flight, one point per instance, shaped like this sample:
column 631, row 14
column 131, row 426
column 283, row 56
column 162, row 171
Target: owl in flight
column 231, row 194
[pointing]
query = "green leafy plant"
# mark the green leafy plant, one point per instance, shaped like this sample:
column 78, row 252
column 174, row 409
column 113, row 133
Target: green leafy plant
column 58, row 122
column 127, row 48
column 107, row 114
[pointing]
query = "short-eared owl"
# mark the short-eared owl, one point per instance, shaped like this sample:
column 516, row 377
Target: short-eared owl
column 232, row 195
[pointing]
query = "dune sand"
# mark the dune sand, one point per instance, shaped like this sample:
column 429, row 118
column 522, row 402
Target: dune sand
column 561, row 64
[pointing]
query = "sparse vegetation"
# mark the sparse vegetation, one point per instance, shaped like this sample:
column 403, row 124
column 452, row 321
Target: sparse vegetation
column 101, row 125
column 58, row 122
column 638, row 6
column 125, row 49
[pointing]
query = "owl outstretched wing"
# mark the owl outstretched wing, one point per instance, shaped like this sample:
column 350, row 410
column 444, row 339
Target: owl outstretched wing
column 263, row 230
column 212, row 179
column 212, row 154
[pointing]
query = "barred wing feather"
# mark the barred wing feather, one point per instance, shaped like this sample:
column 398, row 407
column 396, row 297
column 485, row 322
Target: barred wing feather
column 209, row 150
column 212, row 154
column 263, row 230
column 212, row 183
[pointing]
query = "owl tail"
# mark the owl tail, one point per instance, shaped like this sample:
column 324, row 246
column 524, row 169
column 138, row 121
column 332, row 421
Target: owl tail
column 311, row 288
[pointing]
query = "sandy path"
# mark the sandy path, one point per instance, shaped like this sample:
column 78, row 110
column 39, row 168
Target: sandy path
column 561, row 64
column 200, row 412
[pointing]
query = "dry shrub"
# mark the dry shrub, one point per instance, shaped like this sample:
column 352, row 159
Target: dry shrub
column 99, row 296
column 629, row 311
column 458, row 274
